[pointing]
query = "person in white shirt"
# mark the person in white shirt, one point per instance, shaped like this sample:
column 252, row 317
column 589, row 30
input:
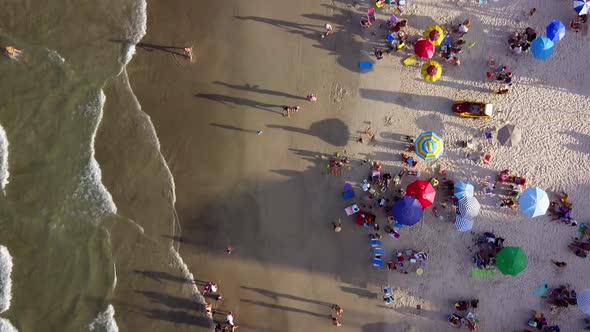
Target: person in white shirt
column 229, row 318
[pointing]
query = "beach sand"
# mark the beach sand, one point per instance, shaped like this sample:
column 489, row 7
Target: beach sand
column 268, row 196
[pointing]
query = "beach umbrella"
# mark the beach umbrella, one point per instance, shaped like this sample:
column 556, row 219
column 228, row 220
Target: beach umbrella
column 533, row 202
column 542, row 48
column 407, row 211
column 468, row 207
column 463, row 189
column 424, row 48
column 423, row 191
column 509, row 135
column 435, row 34
column 555, row 30
column 431, row 71
column 429, row 146
column 463, row 224
column 582, row 7
column 583, row 299
column 511, row 261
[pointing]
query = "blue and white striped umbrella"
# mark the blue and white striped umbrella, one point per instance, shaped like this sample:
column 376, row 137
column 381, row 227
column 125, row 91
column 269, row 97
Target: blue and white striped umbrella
column 582, row 7
column 462, row 189
column 583, row 299
column 469, row 207
column 463, row 224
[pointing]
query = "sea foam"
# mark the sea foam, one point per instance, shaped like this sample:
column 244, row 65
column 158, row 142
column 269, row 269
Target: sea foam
column 5, row 280
column 6, row 326
column 3, row 159
column 104, row 322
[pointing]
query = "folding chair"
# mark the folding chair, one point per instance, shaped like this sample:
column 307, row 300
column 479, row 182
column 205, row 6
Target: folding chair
column 376, row 243
column 387, row 291
column 378, row 252
column 378, row 263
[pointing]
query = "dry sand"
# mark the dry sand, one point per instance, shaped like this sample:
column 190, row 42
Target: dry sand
column 269, row 198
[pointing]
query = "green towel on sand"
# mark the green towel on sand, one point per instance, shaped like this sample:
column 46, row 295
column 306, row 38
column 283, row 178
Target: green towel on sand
column 482, row 273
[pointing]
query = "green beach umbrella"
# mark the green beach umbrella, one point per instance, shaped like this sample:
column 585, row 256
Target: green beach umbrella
column 511, row 260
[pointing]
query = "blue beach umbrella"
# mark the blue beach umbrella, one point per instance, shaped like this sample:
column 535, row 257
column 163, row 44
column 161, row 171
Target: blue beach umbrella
column 463, row 224
column 534, row 202
column 463, row 189
column 555, row 30
column 542, row 48
column 582, row 7
column 429, row 146
column 407, row 211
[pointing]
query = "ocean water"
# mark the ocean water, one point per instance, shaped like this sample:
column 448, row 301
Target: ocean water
column 57, row 267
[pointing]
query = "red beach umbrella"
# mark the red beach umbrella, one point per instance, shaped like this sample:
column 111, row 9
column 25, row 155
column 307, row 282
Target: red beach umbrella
column 424, row 48
column 423, row 191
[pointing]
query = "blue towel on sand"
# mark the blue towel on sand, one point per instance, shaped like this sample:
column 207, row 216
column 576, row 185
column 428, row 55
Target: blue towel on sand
column 365, row 65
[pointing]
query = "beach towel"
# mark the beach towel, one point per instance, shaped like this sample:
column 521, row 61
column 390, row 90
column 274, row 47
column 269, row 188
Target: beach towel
column 410, row 60
column 482, row 273
column 539, row 292
column 348, row 194
column 377, row 262
column 365, row 65
column 376, row 243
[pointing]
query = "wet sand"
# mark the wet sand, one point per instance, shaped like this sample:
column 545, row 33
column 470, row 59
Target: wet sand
column 268, row 196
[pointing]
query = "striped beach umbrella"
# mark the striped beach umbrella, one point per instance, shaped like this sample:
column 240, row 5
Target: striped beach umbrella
column 463, row 189
column 435, row 34
column 463, row 224
column 533, row 202
column 511, row 260
column 583, row 299
column 469, row 207
column 555, row 30
column 431, row 71
column 542, row 48
column 423, row 191
column 582, row 7
column 429, row 146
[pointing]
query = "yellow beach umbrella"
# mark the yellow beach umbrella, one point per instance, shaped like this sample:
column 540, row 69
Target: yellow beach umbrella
column 431, row 71
column 435, row 34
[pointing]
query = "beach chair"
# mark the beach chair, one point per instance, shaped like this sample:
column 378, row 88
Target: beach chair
column 376, row 243
column 409, row 60
column 365, row 65
column 378, row 252
column 387, row 291
column 378, row 262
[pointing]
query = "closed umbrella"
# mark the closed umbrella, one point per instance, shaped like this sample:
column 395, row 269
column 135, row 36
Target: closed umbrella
column 509, row 135
column 533, row 202
column 511, row 260
column 407, row 211
column 463, row 189
column 429, row 146
column 463, row 224
column 583, row 299
column 582, row 7
column 542, row 48
column 431, row 71
column 468, row 207
column 423, row 191
column 555, row 30
column 435, row 34
column 424, row 48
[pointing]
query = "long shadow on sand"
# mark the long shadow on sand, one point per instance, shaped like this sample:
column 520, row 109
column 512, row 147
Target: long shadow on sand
column 410, row 100
column 179, row 310
column 230, row 100
column 333, row 131
column 258, row 89
column 276, row 296
column 252, row 131
column 161, row 276
column 284, row 308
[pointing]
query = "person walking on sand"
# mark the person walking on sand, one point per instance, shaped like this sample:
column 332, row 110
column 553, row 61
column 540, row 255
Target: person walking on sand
column 287, row 110
column 13, row 53
column 337, row 226
column 229, row 318
column 335, row 321
column 329, row 30
column 559, row 264
column 338, row 310
column 312, row 97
